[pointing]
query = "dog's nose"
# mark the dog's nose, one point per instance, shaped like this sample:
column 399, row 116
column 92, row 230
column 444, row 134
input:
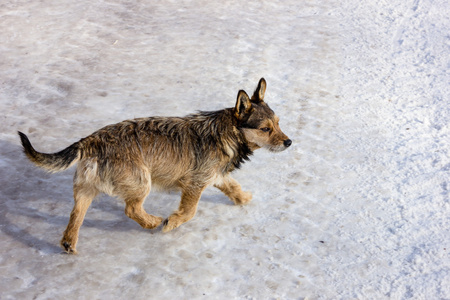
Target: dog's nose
column 287, row 142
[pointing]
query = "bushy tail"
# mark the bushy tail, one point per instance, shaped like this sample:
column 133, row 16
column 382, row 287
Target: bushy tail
column 51, row 162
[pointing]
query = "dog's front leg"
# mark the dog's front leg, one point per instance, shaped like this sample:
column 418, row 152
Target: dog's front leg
column 187, row 209
column 233, row 190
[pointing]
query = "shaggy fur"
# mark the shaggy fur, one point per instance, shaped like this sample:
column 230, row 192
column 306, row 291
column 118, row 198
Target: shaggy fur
column 184, row 153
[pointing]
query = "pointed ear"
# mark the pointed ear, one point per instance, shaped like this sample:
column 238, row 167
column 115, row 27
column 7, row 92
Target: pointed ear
column 243, row 105
column 258, row 95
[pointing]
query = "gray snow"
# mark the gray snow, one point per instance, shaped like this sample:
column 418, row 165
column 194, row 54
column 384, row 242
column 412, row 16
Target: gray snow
column 357, row 208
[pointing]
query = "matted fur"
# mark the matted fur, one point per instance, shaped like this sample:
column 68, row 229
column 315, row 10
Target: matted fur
column 186, row 153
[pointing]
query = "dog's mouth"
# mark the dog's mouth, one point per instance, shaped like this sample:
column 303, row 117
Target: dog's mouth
column 278, row 148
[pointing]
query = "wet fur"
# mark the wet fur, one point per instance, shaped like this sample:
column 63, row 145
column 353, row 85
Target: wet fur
column 183, row 153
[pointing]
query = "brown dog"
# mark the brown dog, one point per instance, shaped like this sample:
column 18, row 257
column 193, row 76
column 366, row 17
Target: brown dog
column 188, row 154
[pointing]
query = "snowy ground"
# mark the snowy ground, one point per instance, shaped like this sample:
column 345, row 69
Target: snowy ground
column 357, row 208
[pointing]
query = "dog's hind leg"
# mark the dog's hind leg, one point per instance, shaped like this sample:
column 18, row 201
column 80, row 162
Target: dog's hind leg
column 135, row 211
column 233, row 190
column 134, row 186
column 186, row 210
column 83, row 196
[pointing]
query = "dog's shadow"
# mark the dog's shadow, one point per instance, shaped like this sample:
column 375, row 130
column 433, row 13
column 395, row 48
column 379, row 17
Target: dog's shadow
column 31, row 196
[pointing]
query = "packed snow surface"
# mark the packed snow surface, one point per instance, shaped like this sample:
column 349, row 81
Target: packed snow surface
column 356, row 208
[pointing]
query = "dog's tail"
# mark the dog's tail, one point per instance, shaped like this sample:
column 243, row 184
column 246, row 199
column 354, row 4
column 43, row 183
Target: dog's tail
column 51, row 162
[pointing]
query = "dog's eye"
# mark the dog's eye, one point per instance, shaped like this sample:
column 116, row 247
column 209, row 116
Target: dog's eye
column 265, row 129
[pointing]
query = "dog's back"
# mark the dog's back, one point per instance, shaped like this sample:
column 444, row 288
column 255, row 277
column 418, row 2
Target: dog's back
column 171, row 149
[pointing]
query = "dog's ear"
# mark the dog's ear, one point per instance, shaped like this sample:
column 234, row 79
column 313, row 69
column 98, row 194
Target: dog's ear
column 243, row 105
column 258, row 95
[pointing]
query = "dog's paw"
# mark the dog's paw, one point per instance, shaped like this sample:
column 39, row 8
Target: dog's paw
column 156, row 222
column 171, row 223
column 68, row 247
column 243, row 198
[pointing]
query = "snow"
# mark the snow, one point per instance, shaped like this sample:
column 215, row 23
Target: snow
column 357, row 208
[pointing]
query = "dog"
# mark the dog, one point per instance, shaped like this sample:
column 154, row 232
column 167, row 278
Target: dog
column 182, row 153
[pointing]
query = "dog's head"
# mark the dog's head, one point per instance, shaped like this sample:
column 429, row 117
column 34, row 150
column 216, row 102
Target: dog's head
column 258, row 122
